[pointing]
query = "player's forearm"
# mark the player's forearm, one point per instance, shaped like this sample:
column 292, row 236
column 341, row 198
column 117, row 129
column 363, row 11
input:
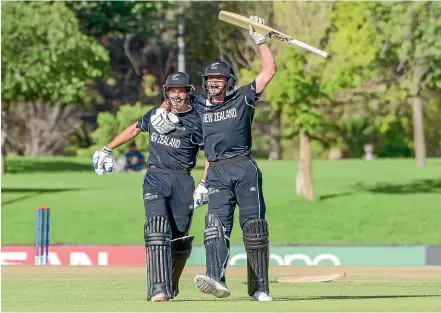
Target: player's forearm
column 269, row 66
column 204, row 176
column 127, row 134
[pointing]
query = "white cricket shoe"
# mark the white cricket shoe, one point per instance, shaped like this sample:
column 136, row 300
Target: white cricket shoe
column 159, row 297
column 209, row 285
column 261, row 296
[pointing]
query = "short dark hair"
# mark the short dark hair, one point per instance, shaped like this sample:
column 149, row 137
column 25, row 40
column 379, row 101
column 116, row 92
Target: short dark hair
column 133, row 144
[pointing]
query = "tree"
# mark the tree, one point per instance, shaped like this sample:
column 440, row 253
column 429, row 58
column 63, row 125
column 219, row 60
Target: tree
column 349, row 77
column 413, row 47
column 139, row 38
column 3, row 130
column 209, row 39
column 47, row 64
column 297, row 93
column 296, row 88
column 294, row 91
column 306, row 85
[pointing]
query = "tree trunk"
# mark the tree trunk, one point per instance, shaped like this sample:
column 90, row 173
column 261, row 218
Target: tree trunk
column 275, row 139
column 304, row 186
column 418, row 131
column 420, row 71
column 3, row 129
column 37, row 128
column 2, row 165
column 181, row 45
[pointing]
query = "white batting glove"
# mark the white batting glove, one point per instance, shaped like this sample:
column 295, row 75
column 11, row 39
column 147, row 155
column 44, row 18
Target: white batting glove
column 258, row 38
column 200, row 195
column 164, row 122
column 103, row 161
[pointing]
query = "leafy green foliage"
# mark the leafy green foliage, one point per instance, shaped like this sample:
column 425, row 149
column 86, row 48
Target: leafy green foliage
column 109, row 126
column 294, row 89
column 432, row 125
column 354, row 45
column 45, row 56
column 355, row 133
column 412, row 31
column 98, row 18
column 394, row 139
column 208, row 39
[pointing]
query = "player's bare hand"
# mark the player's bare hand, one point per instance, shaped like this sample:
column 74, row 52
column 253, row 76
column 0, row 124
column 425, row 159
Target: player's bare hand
column 258, row 38
column 166, row 105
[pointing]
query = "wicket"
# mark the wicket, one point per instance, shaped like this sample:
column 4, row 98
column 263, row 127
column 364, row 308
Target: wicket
column 42, row 231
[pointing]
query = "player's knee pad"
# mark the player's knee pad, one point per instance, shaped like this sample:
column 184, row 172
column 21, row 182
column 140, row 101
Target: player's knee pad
column 180, row 251
column 256, row 241
column 157, row 236
column 216, row 247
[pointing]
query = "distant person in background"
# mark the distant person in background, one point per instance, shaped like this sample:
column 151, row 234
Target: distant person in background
column 135, row 160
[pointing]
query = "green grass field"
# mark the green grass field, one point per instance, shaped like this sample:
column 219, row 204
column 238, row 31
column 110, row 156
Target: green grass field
column 379, row 202
column 88, row 289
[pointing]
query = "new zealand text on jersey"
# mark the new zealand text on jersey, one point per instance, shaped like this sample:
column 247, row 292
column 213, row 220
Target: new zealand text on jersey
column 165, row 140
column 219, row 116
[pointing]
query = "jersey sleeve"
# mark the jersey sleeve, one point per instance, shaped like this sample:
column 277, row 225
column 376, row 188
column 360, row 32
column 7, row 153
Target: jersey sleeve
column 197, row 137
column 198, row 103
column 249, row 91
column 144, row 122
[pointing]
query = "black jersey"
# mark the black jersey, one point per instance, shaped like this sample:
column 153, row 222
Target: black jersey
column 178, row 149
column 227, row 126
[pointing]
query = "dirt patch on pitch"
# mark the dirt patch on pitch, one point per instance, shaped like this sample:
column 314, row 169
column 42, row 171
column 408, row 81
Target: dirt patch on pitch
column 353, row 273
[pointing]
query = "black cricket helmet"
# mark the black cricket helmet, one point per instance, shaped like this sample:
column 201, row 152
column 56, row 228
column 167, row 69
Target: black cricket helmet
column 178, row 79
column 219, row 68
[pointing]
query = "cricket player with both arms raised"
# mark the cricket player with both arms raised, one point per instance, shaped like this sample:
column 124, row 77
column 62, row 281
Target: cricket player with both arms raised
column 232, row 176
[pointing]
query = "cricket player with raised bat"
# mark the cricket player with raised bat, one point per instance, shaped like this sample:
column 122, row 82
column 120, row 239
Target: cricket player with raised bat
column 233, row 176
column 168, row 186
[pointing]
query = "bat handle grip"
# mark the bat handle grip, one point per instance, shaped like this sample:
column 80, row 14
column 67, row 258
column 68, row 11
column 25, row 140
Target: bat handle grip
column 308, row 47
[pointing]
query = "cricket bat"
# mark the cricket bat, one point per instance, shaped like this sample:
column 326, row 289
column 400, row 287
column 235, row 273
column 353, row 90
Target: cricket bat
column 306, row 279
column 243, row 22
column 312, row 278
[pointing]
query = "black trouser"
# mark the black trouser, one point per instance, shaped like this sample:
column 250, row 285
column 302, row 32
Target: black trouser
column 169, row 193
column 236, row 181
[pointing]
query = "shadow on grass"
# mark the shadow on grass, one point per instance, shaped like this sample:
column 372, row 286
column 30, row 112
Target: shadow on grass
column 336, row 195
column 32, row 192
column 312, row 298
column 215, row 300
column 26, row 165
column 416, row 186
column 354, row 297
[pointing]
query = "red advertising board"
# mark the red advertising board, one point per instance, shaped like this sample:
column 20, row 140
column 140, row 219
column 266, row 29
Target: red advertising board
column 76, row 255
